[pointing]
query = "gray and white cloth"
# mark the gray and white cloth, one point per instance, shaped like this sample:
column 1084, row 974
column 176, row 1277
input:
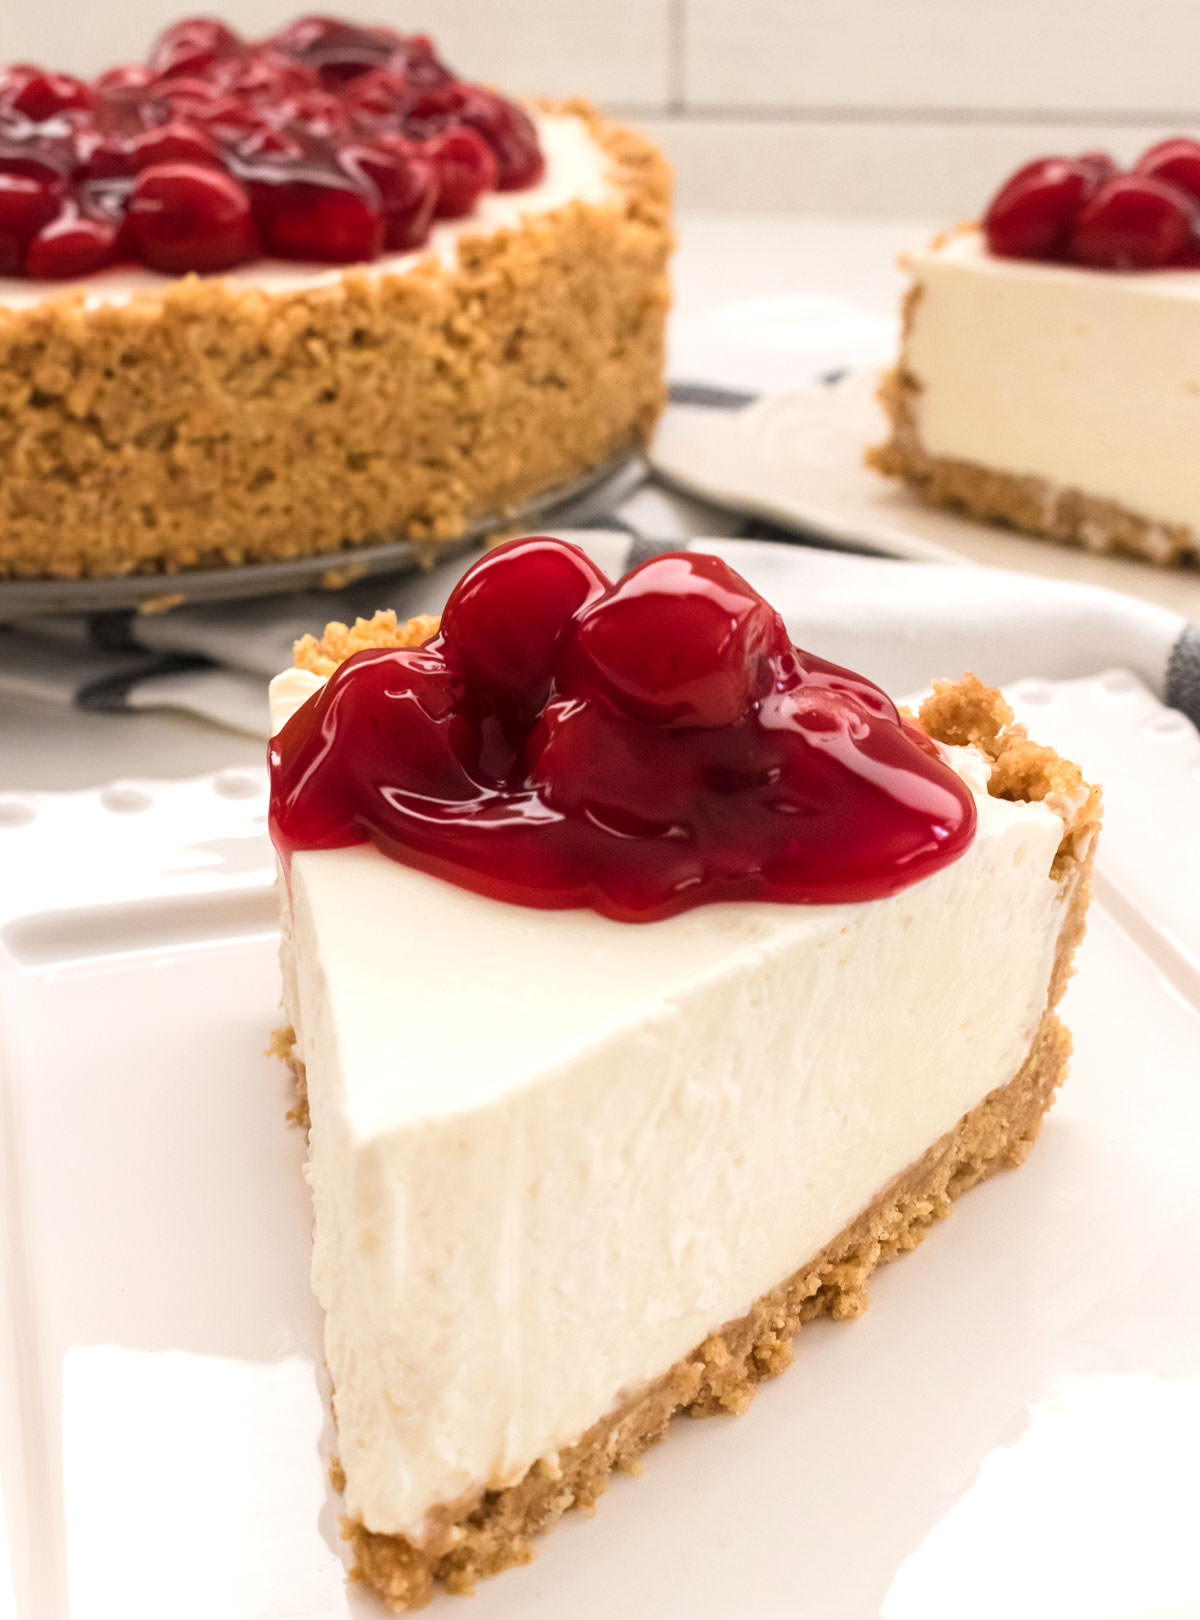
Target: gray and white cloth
column 898, row 622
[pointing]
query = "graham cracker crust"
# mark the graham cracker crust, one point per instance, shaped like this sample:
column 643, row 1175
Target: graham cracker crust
column 214, row 423
column 1036, row 507
column 491, row 1530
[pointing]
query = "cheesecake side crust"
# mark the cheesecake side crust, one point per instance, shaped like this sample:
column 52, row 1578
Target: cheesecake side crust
column 489, row 1531
column 1033, row 505
column 215, row 424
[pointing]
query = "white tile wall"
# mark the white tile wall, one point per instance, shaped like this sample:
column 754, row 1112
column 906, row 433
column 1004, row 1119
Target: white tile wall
column 873, row 107
column 958, row 54
column 614, row 53
column 945, row 171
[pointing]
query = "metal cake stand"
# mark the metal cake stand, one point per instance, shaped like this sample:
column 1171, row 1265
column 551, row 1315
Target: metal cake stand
column 574, row 505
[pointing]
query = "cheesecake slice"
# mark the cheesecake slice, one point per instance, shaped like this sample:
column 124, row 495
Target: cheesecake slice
column 1049, row 375
column 595, row 1125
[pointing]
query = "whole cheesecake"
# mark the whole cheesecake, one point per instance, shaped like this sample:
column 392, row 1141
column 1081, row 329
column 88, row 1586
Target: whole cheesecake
column 268, row 301
column 649, row 982
column 1049, row 375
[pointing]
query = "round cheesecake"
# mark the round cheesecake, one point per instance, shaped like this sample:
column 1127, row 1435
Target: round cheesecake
column 280, row 408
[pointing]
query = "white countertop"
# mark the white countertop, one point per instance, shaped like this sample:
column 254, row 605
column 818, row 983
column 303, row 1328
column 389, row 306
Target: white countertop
column 720, row 259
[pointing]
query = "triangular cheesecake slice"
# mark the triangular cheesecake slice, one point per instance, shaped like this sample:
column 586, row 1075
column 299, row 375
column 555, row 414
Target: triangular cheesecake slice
column 640, row 1153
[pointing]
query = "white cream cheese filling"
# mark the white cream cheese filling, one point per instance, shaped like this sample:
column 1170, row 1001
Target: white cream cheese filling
column 550, row 1152
column 1087, row 379
column 577, row 170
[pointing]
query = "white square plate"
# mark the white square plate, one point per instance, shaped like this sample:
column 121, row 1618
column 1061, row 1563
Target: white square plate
column 1013, row 1428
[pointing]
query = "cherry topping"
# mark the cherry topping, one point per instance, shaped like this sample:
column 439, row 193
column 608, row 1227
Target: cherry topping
column 27, row 203
column 345, row 141
column 466, row 168
column 188, row 216
column 638, row 748
column 505, row 624
column 1134, row 223
column 1032, row 215
column 1176, row 161
column 1084, row 210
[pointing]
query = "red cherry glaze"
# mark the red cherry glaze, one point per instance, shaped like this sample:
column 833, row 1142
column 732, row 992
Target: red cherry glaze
column 1032, row 214
column 1134, row 223
column 188, row 216
column 466, row 168
column 468, row 758
column 1176, row 161
column 346, row 142
column 26, row 205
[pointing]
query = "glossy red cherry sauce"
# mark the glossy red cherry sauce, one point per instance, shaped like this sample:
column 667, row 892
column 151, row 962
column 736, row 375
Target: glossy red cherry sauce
column 639, row 748
column 1084, row 210
column 326, row 142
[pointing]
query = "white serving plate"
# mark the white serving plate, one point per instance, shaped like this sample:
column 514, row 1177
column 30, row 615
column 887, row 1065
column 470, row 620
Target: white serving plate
column 1011, row 1429
column 796, row 457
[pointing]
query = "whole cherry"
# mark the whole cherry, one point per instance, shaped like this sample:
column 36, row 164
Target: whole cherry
column 680, row 641
column 27, row 203
column 510, row 615
column 47, row 95
column 1176, row 161
column 317, row 215
column 72, row 245
column 406, row 182
column 466, row 168
column 192, row 46
column 1134, row 223
column 1033, row 213
column 179, row 141
column 508, row 131
column 189, row 216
